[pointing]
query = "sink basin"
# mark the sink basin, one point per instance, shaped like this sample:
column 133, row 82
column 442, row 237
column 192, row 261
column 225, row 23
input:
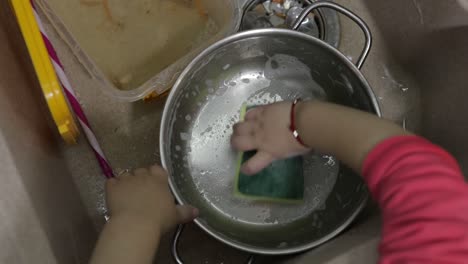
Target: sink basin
column 429, row 42
column 417, row 68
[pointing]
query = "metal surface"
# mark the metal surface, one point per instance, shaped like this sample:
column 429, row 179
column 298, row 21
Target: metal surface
column 400, row 72
column 350, row 15
column 308, row 25
column 321, row 21
column 325, row 26
column 175, row 242
column 175, row 245
column 259, row 67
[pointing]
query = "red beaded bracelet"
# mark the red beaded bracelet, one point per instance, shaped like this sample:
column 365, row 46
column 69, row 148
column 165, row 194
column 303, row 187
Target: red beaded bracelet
column 292, row 126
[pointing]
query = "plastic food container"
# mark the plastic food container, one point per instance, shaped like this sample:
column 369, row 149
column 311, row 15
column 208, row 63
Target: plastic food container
column 138, row 48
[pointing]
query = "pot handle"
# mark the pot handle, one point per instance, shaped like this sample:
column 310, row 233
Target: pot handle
column 350, row 15
column 175, row 243
column 175, row 251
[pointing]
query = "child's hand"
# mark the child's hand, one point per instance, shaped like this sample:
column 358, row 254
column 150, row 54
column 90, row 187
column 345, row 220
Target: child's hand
column 266, row 129
column 144, row 198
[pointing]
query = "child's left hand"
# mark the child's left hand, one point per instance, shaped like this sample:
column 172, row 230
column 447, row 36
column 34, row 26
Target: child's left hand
column 145, row 198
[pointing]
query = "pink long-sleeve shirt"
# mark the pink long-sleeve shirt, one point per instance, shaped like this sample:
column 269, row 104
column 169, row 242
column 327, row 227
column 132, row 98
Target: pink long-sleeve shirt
column 424, row 202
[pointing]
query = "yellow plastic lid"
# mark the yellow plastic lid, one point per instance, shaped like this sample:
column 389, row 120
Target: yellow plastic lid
column 45, row 72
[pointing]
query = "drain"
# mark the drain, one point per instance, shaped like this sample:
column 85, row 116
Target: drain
column 323, row 23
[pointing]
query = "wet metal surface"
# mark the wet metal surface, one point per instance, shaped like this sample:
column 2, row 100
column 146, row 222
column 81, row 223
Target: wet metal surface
column 259, row 67
column 129, row 132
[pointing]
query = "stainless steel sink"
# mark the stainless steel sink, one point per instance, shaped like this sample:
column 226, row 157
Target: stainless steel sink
column 417, row 68
column 428, row 41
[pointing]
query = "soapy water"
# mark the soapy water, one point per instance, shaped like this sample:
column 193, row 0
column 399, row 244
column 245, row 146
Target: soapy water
column 210, row 161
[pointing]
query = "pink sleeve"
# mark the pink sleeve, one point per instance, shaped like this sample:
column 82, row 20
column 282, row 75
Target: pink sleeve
column 424, row 202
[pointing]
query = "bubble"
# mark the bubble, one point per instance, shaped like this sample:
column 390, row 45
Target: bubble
column 184, row 136
column 209, row 83
column 274, row 64
column 282, row 245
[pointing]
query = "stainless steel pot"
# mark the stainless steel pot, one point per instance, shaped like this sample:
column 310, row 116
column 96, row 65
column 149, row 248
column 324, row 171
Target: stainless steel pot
column 259, row 67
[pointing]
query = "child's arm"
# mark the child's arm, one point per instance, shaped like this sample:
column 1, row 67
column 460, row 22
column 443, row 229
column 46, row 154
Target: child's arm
column 419, row 187
column 424, row 202
column 347, row 133
column 141, row 210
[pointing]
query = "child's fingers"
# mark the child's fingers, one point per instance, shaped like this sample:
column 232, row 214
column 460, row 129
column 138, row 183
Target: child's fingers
column 158, row 172
column 243, row 128
column 257, row 163
column 253, row 114
column 110, row 183
column 243, row 143
column 140, row 172
column 156, row 169
column 186, row 213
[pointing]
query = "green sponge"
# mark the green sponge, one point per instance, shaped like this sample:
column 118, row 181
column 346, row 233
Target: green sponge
column 281, row 181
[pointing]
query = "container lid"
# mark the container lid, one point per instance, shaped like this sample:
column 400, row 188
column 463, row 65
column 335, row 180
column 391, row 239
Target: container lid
column 46, row 75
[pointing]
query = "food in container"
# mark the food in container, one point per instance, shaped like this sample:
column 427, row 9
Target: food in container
column 137, row 47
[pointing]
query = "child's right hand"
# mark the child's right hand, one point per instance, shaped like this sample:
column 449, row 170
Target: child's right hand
column 266, row 129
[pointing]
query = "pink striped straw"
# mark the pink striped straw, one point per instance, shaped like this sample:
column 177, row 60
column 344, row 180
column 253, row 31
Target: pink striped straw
column 72, row 99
